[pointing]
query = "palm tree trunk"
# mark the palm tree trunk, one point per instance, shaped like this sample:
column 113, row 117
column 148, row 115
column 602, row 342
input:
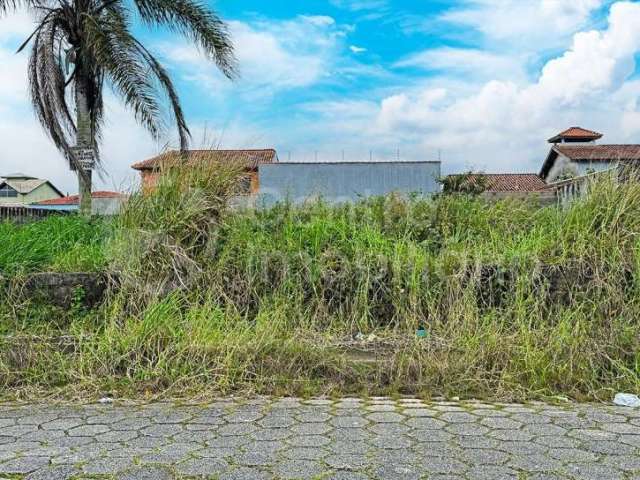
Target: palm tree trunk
column 84, row 142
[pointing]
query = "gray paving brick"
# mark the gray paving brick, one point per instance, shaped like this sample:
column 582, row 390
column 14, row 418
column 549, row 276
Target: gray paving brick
column 147, row 473
column 443, row 465
column 62, row 472
column 590, row 471
column 490, row 472
column 246, row 473
column 202, row 467
column 23, row 465
column 298, row 469
column 385, row 417
column 397, row 472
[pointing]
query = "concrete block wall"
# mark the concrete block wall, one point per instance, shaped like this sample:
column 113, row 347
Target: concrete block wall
column 344, row 182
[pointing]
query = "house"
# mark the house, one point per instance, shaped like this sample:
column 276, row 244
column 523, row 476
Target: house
column 103, row 203
column 496, row 186
column 151, row 169
column 576, row 153
column 499, row 182
column 21, row 189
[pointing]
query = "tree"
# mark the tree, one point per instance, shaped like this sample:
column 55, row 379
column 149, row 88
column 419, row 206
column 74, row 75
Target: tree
column 468, row 183
column 79, row 46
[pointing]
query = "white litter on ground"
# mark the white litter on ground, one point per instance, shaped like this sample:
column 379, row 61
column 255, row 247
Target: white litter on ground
column 627, row 400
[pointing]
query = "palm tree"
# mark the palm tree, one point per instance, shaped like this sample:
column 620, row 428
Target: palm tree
column 79, row 46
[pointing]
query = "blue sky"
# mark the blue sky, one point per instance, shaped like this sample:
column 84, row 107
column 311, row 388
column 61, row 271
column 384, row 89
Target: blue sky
column 478, row 83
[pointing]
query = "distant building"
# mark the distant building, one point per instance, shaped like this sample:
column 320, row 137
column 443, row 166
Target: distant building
column 151, row 169
column 271, row 181
column 497, row 186
column 337, row 182
column 575, row 153
column 21, row 189
column 500, row 182
column 103, row 203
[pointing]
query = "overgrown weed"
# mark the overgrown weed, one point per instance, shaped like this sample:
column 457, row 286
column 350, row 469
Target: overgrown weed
column 518, row 301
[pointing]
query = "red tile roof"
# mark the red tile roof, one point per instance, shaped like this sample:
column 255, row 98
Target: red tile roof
column 509, row 182
column 607, row 153
column 576, row 133
column 250, row 158
column 74, row 199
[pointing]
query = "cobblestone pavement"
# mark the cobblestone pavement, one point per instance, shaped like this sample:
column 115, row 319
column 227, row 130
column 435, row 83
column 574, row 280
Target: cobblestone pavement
column 346, row 439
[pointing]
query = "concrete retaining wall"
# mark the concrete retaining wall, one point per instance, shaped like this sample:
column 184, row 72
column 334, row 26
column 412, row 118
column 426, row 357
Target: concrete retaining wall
column 66, row 289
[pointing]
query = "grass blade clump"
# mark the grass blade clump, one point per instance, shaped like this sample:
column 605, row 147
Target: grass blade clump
column 163, row 237
column 56, row 243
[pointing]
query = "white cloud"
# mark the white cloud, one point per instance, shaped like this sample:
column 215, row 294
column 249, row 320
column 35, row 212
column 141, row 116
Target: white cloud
column 529, row 23
column 18, row 26
column 360, row 5
column 273, row 55
column 480, row 64
column 503, row 124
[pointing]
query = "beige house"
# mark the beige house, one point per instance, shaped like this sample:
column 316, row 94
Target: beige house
column 575, row 153
column 21, row 189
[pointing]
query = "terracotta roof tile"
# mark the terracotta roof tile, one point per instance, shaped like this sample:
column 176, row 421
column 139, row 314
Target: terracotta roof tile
column 510, row 182
column 576, row 133
column 589, row 153
column 74, row 199
column 250, row 158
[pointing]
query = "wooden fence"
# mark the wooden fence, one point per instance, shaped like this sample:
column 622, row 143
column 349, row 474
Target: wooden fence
column 22, row 214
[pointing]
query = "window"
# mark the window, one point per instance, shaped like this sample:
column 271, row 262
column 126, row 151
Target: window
column 7, row 192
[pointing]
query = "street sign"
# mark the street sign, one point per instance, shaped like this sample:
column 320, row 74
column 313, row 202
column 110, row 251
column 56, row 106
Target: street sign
column 85, row 157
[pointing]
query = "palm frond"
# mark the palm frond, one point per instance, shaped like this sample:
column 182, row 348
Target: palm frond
column 197, row 22
column 47, row 89
column 112, row 47
column 8, row 5
column 166, row 83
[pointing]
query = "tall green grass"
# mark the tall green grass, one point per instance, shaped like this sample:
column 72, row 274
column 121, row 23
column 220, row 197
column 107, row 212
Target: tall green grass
column 57, row 243
column 518, row 301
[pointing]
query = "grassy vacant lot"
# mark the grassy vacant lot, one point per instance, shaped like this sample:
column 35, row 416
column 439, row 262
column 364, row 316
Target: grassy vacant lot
column 517, row 301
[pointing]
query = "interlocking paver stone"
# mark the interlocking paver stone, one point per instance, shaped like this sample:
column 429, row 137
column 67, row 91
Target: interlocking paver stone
column 591, row 471
column 397, row 472
column 23, row 465
column 385, row 417
column 246, row 473
column 349, row 422
column 311, row 428
column 298, row 469
column 489, row 472
column 62, row 472
column 202, row 467
column 308, row 441
column 500, row 423
column 147, row 473
column 305, row 453
column 348, row 439
column 107, row 466
column 347, row 461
